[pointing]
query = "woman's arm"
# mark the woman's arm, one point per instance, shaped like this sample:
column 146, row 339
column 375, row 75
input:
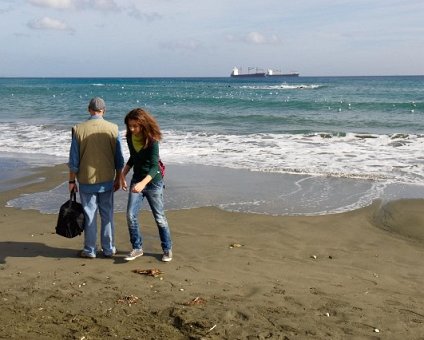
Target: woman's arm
column 154, row 159
column 138, row 187
column 154, row 168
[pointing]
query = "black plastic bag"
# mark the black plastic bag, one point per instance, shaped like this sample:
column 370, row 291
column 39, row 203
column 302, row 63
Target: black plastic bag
column 70, row 222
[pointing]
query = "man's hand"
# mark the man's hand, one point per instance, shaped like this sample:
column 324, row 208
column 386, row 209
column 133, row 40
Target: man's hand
column 73, row 187
column 116, row 184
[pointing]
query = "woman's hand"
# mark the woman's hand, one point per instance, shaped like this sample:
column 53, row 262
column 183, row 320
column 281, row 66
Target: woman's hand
column 138, row 187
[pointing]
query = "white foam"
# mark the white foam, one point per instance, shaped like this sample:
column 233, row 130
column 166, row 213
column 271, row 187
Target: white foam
column 392, row 159
column 349, row 156
column 283, row 86
column 39, row 139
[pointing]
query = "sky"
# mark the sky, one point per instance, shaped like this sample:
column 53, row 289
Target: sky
column 207, row 38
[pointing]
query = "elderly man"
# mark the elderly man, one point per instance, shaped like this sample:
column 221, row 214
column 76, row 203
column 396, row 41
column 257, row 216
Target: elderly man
column 96, row 162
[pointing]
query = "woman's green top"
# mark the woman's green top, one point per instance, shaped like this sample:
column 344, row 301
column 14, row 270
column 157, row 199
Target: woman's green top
column 144, row 162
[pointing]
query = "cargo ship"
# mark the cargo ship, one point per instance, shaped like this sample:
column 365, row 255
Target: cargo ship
column 259, row 73
column 278, row 73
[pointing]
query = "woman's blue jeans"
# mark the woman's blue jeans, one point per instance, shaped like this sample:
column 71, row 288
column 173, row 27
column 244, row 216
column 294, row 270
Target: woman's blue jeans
column 154, row 195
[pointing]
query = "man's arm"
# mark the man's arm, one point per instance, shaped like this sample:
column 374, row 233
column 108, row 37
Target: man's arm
column 73, row 164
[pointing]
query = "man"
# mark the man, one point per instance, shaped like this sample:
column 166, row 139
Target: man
column 96, row 161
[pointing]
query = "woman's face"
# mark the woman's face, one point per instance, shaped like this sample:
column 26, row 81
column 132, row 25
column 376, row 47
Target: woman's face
column 134, row 127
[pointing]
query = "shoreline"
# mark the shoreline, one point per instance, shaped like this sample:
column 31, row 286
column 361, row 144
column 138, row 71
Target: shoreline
column 330, row 276
column 190, row 186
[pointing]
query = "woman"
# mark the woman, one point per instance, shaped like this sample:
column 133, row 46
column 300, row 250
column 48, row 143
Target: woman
column 143, row 136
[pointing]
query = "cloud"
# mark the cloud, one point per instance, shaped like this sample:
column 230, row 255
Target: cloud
column 22, row 35
column 102, row 5
column 190, row 45
column 8, row 8
column 259, row 39
column 255, row 38
column 56, row 4
column 47, row 23
column 137, row 14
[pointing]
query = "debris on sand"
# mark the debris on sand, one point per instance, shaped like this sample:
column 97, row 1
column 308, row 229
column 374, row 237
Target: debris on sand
column 196, row 301
column 150, row 272
column 130, row 300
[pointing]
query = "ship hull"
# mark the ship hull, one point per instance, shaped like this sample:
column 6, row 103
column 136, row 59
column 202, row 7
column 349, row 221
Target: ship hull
column 249, row 75
column 283, row 75
column 264, row 75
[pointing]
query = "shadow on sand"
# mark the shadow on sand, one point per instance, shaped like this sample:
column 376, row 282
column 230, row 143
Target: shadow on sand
column 35, row 249
column 32, row 249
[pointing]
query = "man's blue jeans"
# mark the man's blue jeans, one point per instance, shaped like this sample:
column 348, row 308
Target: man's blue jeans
column 154, row 194
column 92, row 203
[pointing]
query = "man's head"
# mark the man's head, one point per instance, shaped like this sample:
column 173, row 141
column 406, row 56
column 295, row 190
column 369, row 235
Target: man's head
column 97, row 105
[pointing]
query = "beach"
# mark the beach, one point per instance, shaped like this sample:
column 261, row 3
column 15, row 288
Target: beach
column 351, row 275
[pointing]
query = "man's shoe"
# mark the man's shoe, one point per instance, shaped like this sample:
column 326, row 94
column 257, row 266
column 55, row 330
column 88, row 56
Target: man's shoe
column 85, row 255
column 167, row 256
column 110, row 255
column 134, row 254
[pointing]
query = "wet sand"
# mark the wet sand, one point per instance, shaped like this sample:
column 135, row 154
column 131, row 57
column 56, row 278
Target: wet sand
column 355, row 275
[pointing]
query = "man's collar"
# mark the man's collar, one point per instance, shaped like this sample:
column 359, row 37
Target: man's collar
column 96, row 117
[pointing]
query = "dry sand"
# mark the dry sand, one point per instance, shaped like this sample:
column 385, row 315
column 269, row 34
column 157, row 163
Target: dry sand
column 356, row 275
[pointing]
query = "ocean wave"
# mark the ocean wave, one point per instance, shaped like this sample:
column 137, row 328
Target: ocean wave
column 348, row 156
column 394, row 158
column 283, row 86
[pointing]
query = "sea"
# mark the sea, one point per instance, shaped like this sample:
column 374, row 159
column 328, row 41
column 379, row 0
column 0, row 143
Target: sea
column 280, row 146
